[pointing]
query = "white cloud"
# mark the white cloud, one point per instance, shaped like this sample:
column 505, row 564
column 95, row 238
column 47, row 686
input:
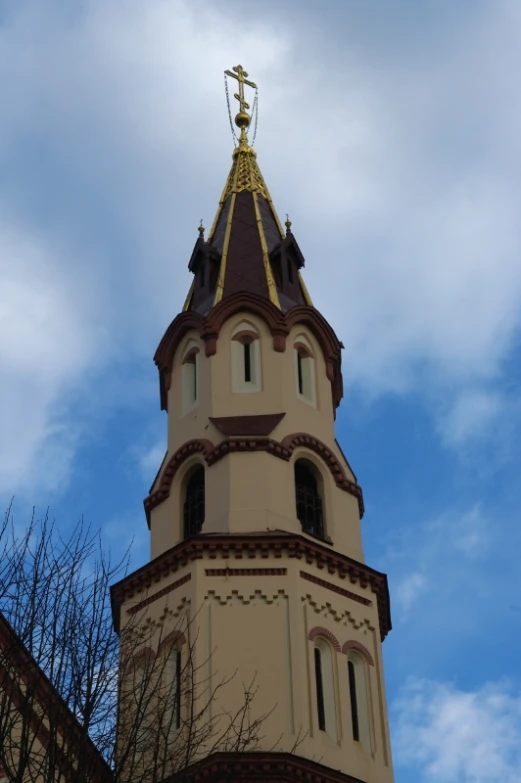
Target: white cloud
column 150, row 460
column 453, row 736
column 407, row 591
column 400, row 177
column 45, row 347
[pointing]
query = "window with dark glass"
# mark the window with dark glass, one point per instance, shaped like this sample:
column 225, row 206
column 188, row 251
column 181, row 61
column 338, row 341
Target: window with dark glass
column 309, row 502
column 178, row 689
column 354, row 703
column 247, row 360
column 320, row 690
column 202, row 276
column 300, row 359
column 193, row 510
column 290, row 270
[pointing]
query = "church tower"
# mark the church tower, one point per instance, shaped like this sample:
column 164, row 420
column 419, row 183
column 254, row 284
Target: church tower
column 257, row 570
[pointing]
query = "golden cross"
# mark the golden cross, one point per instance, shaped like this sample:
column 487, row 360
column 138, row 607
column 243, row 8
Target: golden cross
column 241, row 76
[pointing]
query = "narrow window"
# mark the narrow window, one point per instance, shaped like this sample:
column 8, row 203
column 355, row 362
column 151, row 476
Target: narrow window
column 202, row 276
column 246, row 359
column 172, row 712
column 190, row 381
column 193, row 509
column 320, row 690
column 305, row 372
column 247, row 362
column 354, row 704
column 299, row 373
column 178, row 690
column 308, row 500
column 325, row 688
column 290, row 271
column 193, row 380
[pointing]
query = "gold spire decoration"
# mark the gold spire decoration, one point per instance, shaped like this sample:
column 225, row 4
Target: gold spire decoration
column 242, row 119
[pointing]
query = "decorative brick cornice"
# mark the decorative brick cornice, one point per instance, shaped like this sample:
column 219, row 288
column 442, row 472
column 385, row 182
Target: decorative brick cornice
column 260, row 767
column 159, row 594
column 283, row 450
column 252, row 546
column 246, row 571
column 359, row 647
column 318, row 630
column 279, row 324
column 335, row 588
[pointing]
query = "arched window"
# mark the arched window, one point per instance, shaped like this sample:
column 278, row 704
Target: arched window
column 190, row 379
column 305, row 371
column 324, row 684
column 172, row 690
column 308, row 498
column 193, row 508
column 356, row 668
column 246, row 359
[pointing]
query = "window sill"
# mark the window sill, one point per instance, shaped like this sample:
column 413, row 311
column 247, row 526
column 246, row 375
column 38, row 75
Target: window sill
column 322, row 539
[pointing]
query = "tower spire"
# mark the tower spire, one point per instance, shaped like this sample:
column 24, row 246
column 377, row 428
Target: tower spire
column 247, row 250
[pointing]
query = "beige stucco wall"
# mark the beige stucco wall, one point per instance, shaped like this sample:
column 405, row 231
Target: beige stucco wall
column 254, row 623
column 254, row 491
column 257, row 624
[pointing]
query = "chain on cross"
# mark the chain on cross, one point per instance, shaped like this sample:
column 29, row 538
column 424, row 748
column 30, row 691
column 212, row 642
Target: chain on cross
column 242, row 77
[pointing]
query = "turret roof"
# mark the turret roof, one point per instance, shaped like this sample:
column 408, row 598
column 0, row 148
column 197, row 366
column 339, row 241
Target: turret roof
column 247, row 249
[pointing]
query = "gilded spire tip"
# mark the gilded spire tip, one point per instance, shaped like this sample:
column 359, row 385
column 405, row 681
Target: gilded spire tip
column 288, row 224
column 242, row 118
column 201, row 229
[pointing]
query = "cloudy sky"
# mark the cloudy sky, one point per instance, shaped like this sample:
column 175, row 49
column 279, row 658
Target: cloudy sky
column 390, row 131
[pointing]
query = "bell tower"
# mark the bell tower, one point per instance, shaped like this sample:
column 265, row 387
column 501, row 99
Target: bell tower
column 255, row 512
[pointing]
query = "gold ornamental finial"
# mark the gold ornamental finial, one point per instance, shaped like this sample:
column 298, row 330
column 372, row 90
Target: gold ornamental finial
column 288, row 224
column 242, row 119
column 201, row 230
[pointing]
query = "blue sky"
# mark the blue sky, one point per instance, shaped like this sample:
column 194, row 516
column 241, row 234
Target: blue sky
column 391, row 133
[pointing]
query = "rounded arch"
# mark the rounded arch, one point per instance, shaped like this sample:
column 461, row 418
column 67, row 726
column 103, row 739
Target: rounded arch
column 190, row 348
column 309, row 497
column 198, row 446
column 245, row 302
column 193, row 500
column 291, row 442
column 319, row 630
column 245, row 331
column 175, row 638
column 301, row 343
column 350, row 645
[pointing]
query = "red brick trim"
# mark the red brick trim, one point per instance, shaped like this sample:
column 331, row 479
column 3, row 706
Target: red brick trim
column 335, row 588
column 173, row 639
column 352, row 645
column 159, row 594
column 318, row 630
column 245, row 336
column 259, row 424
column 259, row 767
column 304, row 349
column 283, row 450
column 280, row 325
column 251, row 546
column 192, row 352
column 145, row 654
column 246, row 571
column 291, row 442
column 189, row 448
